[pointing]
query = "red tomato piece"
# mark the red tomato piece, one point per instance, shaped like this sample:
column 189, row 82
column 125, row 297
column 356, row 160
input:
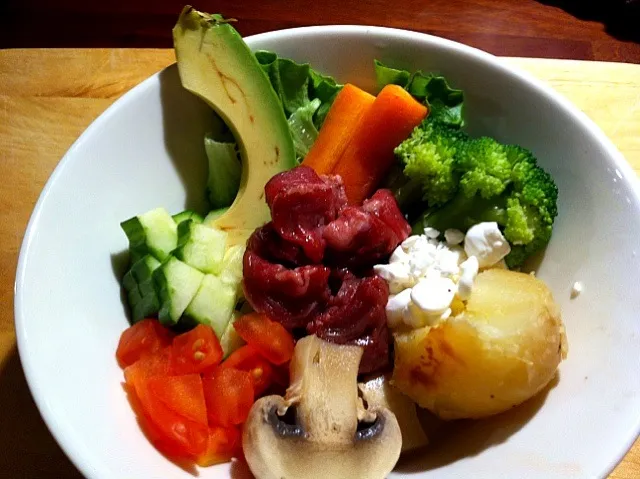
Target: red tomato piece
column 222, row 445
column 182, row 394
column 247, row 358
column 145, row 337
column 173, row 434
column 151, row 431
column 269, row 337
column 195, row 350
column 158, row 364
column 229, row 396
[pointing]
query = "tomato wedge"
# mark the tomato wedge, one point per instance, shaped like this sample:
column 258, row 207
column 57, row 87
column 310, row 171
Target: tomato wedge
column 153, row 433
column 195, row 350
column 247, row 358
column 222, row 445
column 158, row 364
column 269, row 337
column 229, row 396
column 171, row 432
column 143, row 338
column 182, row 394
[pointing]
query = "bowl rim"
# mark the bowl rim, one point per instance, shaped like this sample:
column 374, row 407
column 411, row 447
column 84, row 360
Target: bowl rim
column 76, row 456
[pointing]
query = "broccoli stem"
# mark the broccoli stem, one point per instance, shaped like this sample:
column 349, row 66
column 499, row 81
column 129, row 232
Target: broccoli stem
column 461, row 213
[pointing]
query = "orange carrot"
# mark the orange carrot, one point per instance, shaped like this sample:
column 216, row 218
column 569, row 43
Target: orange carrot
column 343, row 117
column 369, row 153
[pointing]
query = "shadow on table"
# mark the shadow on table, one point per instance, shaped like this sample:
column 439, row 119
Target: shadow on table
column 621, row 18
column 27, row 448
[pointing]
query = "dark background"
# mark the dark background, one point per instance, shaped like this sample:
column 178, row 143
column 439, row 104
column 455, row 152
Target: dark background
column 606, row 30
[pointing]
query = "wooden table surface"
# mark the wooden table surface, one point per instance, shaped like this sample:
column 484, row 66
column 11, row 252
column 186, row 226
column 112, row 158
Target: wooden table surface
column 48, row 97
column 605, row 30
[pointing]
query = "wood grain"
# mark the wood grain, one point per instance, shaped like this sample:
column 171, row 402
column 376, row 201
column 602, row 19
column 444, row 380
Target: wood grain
column 503, row 27
column 48, row 97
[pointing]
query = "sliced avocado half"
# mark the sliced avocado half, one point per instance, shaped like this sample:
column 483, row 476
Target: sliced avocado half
column 216, row 64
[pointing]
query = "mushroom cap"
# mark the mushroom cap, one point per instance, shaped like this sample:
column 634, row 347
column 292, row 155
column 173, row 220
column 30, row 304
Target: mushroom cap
column 325, row 440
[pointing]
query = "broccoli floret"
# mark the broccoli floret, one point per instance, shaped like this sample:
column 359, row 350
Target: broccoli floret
column 485, row 181
column 484, row 167
column 428, row 156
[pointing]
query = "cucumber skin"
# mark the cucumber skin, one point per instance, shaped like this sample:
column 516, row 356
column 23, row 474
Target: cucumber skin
column 201, row 247
column 137, row 239
column 141, row 291
column 187, row 215
column 141, row 242
column 212, row 305
column 168, row 314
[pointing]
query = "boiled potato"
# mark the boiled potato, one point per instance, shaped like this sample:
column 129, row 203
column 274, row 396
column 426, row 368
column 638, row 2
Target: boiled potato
column 500, row 351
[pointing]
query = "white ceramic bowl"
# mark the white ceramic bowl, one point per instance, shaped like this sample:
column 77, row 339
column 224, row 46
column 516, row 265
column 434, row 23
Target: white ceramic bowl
column 146, row 151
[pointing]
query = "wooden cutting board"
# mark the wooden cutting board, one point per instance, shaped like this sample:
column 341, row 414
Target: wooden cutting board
column 48, row 97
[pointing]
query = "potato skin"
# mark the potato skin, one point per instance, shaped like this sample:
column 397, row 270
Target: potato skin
column 502, row 350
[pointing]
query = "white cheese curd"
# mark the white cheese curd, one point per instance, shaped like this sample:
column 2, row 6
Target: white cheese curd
column 397, row 306
column 422, row 274
column 468, row 273
column 576, row 289
column 431, row 233
column 432, row 297
column 453, row 236
column 485, row 242
column 397, row 275
column 425, row 274
column 399, row 256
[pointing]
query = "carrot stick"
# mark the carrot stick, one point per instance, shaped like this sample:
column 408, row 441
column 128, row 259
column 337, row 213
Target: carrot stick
column 343, row 117
column 369, row 154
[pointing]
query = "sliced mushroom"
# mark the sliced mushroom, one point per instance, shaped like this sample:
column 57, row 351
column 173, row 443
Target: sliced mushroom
column 325, row 438
column 378, row 392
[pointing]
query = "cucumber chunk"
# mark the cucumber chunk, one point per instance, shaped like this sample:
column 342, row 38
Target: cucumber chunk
column 141, row 291
column 231, row 340
column 177, row 284
column 213, row 304
column 187, row 215
column 200, row 246
column 153, row 233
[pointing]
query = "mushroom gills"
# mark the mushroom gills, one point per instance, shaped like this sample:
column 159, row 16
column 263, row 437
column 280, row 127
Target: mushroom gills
column 325, row 439
column 378, row 392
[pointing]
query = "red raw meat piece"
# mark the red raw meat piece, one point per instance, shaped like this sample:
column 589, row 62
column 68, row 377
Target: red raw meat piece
column 358, row 305
column 300, row 175
column 356, row 315
column 311, row 223
column 301, row 204
column 376, row 350
column 357, row 238
column 364, row 235
column 290, row 296
column 335, row 181
column 266, row 242
column 384, row 206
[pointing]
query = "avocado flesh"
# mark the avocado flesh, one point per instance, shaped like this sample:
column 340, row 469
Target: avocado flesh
column 216, row 65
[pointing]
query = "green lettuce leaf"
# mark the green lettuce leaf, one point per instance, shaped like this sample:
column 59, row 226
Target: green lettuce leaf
column 297, row 84
column 303, row 131
column 445, row 103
